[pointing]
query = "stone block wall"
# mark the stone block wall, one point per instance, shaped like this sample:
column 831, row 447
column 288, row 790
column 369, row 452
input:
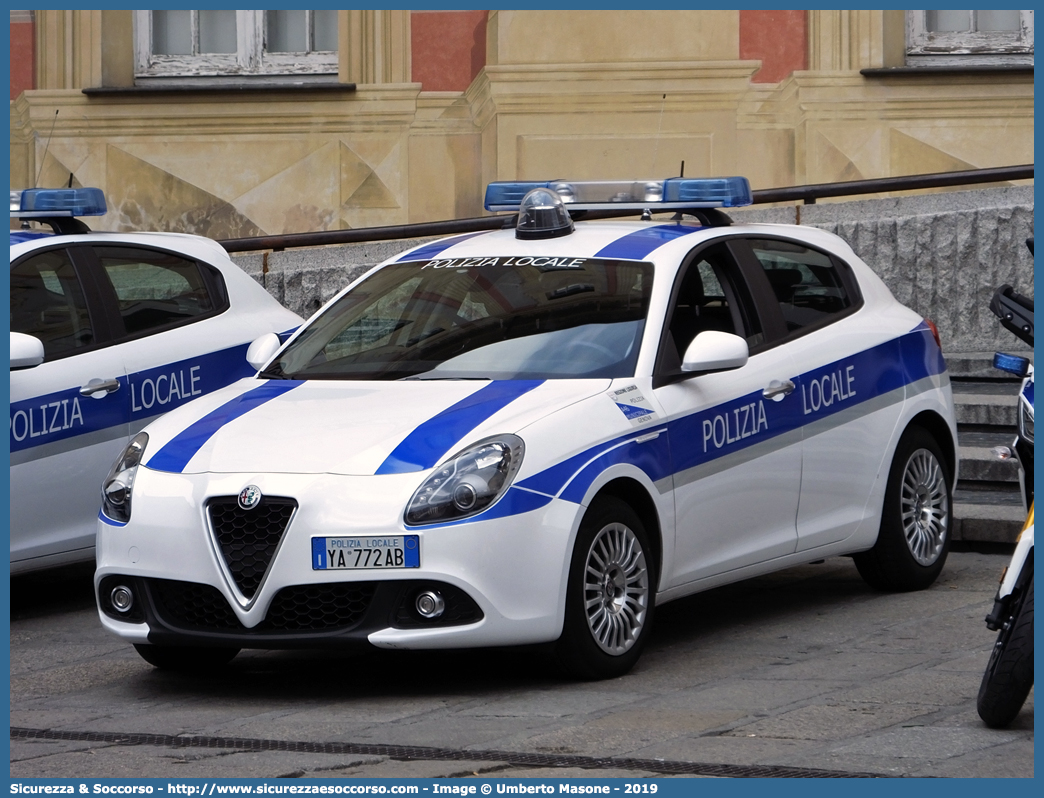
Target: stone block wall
column 940, row 254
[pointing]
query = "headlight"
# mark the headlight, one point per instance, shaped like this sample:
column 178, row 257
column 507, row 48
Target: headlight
column 117, row 487
column 468, row 482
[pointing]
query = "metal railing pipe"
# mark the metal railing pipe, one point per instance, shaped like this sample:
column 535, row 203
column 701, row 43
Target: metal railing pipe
column 806, row 194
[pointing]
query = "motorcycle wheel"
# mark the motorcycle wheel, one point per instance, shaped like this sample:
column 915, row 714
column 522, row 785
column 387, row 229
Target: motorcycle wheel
column 1009, row 674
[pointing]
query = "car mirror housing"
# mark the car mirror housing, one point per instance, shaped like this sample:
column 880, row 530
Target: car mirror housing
column 712, row 350
column 26, row 351
column 261, row 350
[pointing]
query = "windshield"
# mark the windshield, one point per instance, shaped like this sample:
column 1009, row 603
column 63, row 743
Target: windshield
column 479, row 318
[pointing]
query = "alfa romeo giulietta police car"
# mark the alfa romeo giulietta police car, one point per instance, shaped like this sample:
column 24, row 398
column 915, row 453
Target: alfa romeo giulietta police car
column 537, row 435
column 108, row 331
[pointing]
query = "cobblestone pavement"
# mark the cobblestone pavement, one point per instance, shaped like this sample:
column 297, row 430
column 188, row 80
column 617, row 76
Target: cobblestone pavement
column 806, row 672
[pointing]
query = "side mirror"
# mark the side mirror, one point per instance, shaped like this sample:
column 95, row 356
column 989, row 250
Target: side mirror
column 261, row 350
column 712, row 350
column 26, row 351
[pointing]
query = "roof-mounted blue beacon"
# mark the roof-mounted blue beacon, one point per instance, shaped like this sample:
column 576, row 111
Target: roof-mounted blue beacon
column 675, row 193
column 58, row 207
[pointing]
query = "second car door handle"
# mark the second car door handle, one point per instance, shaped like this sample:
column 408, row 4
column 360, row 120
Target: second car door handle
column 97, row 386
column 777, row 390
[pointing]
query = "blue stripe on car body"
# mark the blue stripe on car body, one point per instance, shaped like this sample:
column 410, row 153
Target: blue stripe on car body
column 877, row 371
column 21, row 236
column 430, row 442
column 176, row 453
column 637, row 245
column 429, row 251
column 66, row 414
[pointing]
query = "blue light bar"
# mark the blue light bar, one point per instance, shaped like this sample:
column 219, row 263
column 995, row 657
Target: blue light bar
column 1013, row 364
column 43, row 202
column 508, row 196
column 675, row 192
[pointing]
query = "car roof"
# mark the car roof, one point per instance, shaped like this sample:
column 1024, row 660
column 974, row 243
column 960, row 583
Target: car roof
column 661, row 242
column 197, row 246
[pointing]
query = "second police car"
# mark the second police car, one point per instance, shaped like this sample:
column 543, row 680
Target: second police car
column 108, row 331
column 537, row 435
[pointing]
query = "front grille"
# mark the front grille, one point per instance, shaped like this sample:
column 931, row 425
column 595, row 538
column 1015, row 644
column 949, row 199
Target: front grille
column 187, row 605
column 319, row 607
column 297, row 609
column 249, row 538
column 309, row 609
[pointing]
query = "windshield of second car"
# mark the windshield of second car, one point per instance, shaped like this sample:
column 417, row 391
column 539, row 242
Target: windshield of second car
column 479, row 318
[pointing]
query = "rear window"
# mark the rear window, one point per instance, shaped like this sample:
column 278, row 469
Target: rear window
column 807, row 284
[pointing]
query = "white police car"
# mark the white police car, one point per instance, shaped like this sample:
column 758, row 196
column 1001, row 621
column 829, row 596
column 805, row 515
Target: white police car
column 108, row 331
column 539, row 434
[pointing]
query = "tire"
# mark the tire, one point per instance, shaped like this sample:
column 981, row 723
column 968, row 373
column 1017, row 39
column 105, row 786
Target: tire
column 610, row 593
column 916, row 518
column 188, row 659
column 1009, row 674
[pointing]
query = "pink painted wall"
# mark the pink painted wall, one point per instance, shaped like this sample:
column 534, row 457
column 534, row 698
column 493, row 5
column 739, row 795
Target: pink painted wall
column 448, row 48
column 22, row 44
column 779, row 39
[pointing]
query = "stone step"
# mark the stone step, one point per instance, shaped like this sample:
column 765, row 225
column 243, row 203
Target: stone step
column 987, row 516
column 979, row 365
column 986, row 403
column 980, row 464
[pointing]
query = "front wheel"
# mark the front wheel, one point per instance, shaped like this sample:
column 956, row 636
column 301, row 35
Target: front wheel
column 1009, row 673
column 610, row 594
column 914, row 538
column 191, row 659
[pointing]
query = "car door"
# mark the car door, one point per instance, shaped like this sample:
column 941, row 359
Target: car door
column 849, row 370
column 172, row 324
column 734, row 441
column 69, row 415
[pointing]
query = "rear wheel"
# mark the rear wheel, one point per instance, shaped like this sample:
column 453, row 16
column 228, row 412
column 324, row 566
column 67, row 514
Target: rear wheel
column 1009, row 674
column 186, row 658
column 610, row 595
column 914, row 538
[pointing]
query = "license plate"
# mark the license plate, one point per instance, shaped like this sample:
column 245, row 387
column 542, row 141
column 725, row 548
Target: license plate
column 376, row 551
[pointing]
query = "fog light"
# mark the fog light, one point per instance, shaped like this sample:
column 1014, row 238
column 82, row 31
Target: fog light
column 429, row 604
column 122, row 598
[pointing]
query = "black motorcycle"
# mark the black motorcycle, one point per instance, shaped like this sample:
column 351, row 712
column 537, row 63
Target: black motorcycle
column 1009, row 673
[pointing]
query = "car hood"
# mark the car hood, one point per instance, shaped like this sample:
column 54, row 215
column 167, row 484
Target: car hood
column 350, row 428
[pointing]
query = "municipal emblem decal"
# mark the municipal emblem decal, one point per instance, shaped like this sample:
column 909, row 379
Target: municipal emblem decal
column 250, row 497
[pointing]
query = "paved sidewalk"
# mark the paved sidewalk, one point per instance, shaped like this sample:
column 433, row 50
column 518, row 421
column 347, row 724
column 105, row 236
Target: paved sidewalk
column 807, row 669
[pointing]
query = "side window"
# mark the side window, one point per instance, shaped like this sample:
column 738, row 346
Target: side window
column 806, row 283
column 155, row 290
column 707, row 299
column 47, row 301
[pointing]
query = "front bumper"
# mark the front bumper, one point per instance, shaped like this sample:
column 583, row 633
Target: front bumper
column 503, row 580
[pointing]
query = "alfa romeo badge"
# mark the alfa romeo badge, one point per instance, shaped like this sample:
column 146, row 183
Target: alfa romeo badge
column 250, row 497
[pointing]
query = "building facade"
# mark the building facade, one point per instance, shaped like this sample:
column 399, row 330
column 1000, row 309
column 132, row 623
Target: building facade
column 239, row 123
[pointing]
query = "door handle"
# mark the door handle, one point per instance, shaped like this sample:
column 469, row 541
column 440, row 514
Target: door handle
column 96, row 386
column 778, row 389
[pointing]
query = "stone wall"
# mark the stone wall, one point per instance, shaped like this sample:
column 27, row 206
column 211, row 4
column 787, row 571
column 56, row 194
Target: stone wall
column 940, row 254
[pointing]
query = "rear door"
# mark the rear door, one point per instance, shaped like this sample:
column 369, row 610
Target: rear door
column 850, row 385
column 176, row 334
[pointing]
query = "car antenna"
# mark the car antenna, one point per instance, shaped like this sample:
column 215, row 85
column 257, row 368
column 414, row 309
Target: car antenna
column 44, row 157
column 679, row 215
column 659, row 128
